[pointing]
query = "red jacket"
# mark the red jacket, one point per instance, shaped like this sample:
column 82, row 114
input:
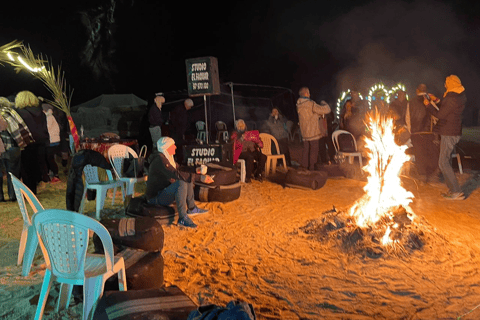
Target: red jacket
column 252, row 135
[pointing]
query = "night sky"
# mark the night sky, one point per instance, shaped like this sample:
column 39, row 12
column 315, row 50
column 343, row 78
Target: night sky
column 141, row 46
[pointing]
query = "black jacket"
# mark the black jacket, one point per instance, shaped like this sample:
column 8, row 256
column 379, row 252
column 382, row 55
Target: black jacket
column 75, row 183
column 36, row 121
column 161, row 174
column 450, row 114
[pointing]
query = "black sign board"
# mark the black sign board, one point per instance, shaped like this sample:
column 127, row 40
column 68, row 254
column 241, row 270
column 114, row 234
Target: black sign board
column 195, row 155
column 202, row 76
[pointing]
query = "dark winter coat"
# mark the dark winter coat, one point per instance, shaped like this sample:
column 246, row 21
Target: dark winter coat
column 75, row 183
column 419, row 117
column 161, row 174
column 450, row 114
column 36, row 121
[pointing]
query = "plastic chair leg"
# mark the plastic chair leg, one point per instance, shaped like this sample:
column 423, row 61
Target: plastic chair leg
column 31, row 248
column 23, row 243
column 82, row 203
column 122, row 278
column 101, row 194
column 64, row 296
column 42, row 299
column 92, row 292
column 460, row 168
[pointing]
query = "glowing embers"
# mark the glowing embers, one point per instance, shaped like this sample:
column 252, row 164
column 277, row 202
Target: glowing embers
column 383, row 191
column 381, row 221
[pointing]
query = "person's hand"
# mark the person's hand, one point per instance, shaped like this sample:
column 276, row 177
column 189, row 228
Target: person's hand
column 206, row 179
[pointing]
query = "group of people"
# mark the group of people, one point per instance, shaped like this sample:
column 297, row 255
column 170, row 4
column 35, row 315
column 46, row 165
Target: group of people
column 434, row 126
column 32, row 134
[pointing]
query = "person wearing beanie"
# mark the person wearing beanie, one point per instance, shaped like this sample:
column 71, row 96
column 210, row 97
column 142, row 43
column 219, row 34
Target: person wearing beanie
column 166, row 183
column 449, row 127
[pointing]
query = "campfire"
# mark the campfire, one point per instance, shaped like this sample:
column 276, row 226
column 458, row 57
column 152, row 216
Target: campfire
column 381, row 220
column 385, row 195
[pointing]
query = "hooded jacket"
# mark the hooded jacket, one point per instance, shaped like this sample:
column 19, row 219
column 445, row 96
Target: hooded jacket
column 308, row 114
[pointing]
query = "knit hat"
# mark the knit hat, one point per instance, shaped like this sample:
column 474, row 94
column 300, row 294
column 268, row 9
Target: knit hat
column 162, row 145
column 453, row 84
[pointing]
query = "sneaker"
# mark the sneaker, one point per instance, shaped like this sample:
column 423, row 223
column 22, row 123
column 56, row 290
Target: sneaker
column 453, row 196
column 196, row 211
column 186, row 222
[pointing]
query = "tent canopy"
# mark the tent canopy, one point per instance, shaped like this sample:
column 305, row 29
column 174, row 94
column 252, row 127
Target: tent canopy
column 114, row 102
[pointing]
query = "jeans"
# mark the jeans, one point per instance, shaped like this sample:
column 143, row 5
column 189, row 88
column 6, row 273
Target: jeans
column 447, row 144
column 181, row 192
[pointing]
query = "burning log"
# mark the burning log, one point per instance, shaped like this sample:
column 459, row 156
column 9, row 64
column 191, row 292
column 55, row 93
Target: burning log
column 381, row 221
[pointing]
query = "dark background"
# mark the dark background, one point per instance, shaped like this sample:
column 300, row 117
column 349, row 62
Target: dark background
column 140, row 47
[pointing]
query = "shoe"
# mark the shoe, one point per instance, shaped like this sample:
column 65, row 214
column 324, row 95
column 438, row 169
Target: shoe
column 186, row 222
column 55, row 180
column 259, row 177
column 195, row 211
column 453, row 196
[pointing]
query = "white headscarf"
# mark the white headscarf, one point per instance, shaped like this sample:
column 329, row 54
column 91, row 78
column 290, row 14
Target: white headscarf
column 162, row 145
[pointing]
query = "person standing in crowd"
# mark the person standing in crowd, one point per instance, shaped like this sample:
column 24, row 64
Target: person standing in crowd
column 9, row 158
column 155, row 118
column 247, row 145
column 276, row 125
column 16, row 136
column 327, row 150
column 399, row 107
column 53, row 147
column 309, row 113
column 167, row 184
column 425, row 142
column 33, row 157
column 449, row 127
column 178, row 125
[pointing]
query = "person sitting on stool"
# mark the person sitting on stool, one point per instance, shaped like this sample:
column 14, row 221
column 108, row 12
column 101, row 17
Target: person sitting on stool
column 166, row 183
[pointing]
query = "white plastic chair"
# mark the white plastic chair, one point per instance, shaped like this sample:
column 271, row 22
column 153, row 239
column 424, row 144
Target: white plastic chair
column 459, row 161
column 201, row 131
column 351, row 155
column 271, row 163
column 28, row 240
column 92, row 182
column 222, row 133
column 63, row 237
column 243, row 169
column 116, row 155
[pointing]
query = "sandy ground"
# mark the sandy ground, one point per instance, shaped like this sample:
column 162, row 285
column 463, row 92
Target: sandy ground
column 254, row 249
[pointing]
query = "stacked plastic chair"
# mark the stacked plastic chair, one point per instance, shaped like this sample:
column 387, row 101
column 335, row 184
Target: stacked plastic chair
column 28, row 240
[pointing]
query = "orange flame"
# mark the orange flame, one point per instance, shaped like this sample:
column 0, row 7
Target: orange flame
column 384, row 190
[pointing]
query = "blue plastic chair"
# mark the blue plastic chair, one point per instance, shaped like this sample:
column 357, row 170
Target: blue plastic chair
column 92, row 182
column 116, row 154
column 63, row 236
column 28, row 240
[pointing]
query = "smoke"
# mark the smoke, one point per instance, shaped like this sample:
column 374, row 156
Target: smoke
column 411, row 43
